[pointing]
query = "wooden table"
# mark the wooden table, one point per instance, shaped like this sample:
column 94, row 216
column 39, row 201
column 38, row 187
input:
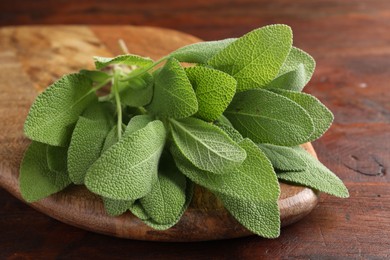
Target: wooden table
column 350, row 41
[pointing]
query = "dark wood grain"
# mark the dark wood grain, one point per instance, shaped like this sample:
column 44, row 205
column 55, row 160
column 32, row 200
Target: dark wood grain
column 350, row 41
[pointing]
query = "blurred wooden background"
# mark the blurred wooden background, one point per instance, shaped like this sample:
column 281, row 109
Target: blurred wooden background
column 350, row 40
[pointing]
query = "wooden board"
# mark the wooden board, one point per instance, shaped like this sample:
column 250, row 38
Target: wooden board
column 33, row 57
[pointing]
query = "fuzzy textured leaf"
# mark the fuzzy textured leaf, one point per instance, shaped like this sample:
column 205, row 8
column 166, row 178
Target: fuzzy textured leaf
column 266, row 117
column 322, row 117
column 231, row 132
column 85, row 147
column 112, row 138
column 140, row 212
column 88, row 139
column 127, row 169
column 255, row 59
column 214, row 90
column 137, row 122
column 253, row 180
column 206, row 146
column 116, row 207
column 57, row 158
column 36, row 180
column 165, row 202
column 52, row 115
column 96, row 75
column 173, row 94
column 126, row 59
column 262, row 218
column 200, row 52
column 296, row 71
column 316, row 176
column 137, row 92
column 284, row 158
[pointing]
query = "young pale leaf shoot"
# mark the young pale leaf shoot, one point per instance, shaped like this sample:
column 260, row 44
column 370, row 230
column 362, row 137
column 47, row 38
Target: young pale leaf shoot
column 229, row 119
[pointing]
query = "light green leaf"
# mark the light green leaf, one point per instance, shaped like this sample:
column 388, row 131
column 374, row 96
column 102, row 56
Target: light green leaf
column 322, row 117
column 253, row 180
column 266, row 117
column 214, row 90
column 57, row 158
column 261, row 218
column 85, row 147
column 222, row 120
column 292, row 80
column 140, row 212
column 165, row 202
column 200, row 52
column 206, row 146
column 295, row 72
column 88, row 139
column 101, row 111
column 126, row 59
column 231, row 132
column 173, row 94
column 127, row 169
column 137, row 92
column 112, row 138
column 137, row 122
column 36, row 181
column 255, row 59
column 95, row 75
column 116, row 207
column 53, row 114
column 250, row 193
column 316, row 176
column 284, row 158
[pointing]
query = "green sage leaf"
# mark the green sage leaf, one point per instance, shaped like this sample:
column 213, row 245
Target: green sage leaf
column 127, row 169
column 200, row 52
column 137, row 122
column 284, row 158
column 316, row 176
column 36, row 180
column 88, row 139
column 53, row 114
column 214, row 90
column 322, row 117
column 206, row 146
column 96, row 75
column 57, row 158
column 165, row 202
column 137, row 92
column 126, row 59
column 140, row 212
column 231, row 132
column 266, row 117
column 262, row 218
column 253, row 180
column 116, row 207
column 173, row 94
column 255, row 59
column 296, row 71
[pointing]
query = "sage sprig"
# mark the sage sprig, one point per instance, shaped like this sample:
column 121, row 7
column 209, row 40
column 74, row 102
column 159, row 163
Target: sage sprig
column 230, row 122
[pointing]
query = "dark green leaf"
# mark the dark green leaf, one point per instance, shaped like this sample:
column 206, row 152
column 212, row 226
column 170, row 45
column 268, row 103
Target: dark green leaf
column 55, row 111
column 36, row 180
column 173, row 94
column 266, row 117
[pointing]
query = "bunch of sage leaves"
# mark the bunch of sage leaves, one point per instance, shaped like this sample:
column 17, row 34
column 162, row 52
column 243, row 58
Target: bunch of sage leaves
column 231, row 122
